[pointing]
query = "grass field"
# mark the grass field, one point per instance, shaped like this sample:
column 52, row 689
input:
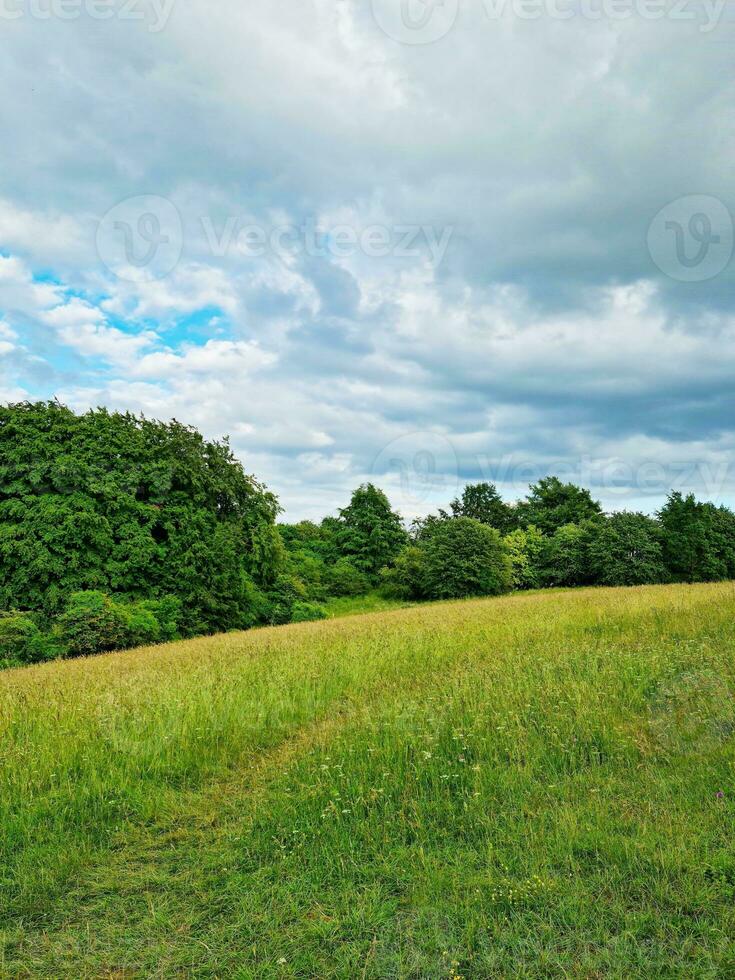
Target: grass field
column 535, row 786
column 352, row 605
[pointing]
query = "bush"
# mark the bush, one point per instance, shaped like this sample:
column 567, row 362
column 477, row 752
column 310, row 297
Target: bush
column 465, row 558
column 91, row 623
column 167, row 612
column 281, row 599
column 95, row 623
column 22, row 642
column 404, row 579
column 307, row 612
column 311, row 570
column 343, row 579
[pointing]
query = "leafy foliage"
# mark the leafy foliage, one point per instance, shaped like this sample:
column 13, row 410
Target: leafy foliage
column 626, row 550
column 552, row 504
column 344, row 579
column 22, row 642
column 565, row 557
column 698, row 539
column 307, row 612
column 482, row 502
column 404, row 579
column 126, row 505
column 465, row 558
column 93, row 622
column 370, row 534
column 525, row 549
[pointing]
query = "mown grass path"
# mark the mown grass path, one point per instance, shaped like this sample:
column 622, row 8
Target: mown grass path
column 540, row 785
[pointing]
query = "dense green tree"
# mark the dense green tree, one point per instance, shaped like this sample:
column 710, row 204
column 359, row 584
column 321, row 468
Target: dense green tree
column 625, row 549
column 126, row 505
column 319, row 540
column 721, row 538
column 552, row 504
column 525, row 549
column 483, row 503
column 698, row 539
column 369, row 533
column 423, row 527
column 565, row 555
column 404, row 579
column 464, row 558
column 344, row 579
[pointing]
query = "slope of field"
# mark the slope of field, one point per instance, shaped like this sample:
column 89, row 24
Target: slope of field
column 539, row 785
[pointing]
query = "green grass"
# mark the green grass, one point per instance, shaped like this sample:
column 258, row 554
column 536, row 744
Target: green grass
column 372, row 602
column 518, row 787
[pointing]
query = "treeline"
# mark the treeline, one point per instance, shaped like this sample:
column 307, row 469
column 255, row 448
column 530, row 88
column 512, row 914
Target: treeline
column 116, row 531
column 557, row 536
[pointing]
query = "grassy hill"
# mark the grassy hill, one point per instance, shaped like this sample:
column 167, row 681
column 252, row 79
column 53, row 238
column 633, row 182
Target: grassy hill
column 539, row 785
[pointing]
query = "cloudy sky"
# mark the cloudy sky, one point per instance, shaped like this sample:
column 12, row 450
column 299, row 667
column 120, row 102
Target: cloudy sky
column 421, row 242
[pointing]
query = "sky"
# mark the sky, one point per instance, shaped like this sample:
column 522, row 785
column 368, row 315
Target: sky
column 416, row 242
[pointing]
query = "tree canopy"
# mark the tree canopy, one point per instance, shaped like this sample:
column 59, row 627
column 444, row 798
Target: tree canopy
column 369, row 533
column 552, row 504
column 482, row 502
column 123, row 504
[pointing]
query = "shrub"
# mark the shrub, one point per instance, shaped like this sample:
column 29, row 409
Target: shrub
column 22, row 642
column 94, row 623
column 344, row 579
column 404, row 579
column 167, row 612
column 280, row 600
column 141, row 625
column 464, row 558
column 311, row 570
column 307, row 612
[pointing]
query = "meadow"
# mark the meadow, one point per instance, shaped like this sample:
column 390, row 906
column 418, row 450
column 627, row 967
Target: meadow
column 538, row 785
